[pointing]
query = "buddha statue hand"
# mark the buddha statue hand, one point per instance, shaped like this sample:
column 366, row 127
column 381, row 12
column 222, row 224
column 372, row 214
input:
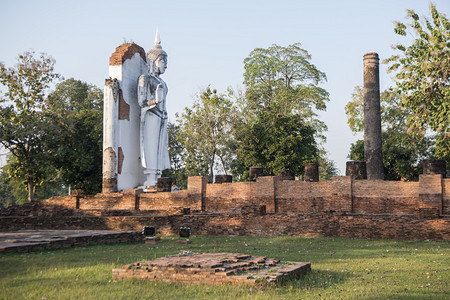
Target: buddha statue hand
column 152, row 103
column 159, row 94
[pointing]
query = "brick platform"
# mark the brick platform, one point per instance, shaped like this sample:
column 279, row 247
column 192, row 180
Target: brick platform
column 213, row 268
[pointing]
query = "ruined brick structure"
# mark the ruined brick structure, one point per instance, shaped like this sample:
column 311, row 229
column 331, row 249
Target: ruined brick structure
column 342, row 206
column 214, row 269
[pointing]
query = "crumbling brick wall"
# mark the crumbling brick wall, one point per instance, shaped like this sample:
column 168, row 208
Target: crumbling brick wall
column 341, row 194
column 340, row 207
column 312, row 225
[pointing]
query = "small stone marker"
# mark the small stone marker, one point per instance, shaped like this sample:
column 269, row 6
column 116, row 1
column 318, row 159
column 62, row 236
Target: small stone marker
column 213, row 268
column 185, row 232
column 150, row 238
column 148, row 231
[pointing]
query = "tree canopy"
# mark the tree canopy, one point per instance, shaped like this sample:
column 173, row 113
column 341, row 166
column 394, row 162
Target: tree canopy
column 205, row 133
column 276, row 143
column 77, row 148
column 283, row 80
column 24, row 120
column 278, row 126
column 422, row 73
column 53, row 138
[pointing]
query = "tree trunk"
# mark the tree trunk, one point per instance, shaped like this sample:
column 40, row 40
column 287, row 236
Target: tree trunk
column 223, row 165
column 212, row 166
column 30, row 187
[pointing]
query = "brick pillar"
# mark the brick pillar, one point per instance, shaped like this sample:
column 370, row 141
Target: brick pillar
column 372, row 118
column 255, row 172
column 312, row 172
column 356, row 169
column 434, row 166
column 164, row 184
column 197, row 189
column 223, row 178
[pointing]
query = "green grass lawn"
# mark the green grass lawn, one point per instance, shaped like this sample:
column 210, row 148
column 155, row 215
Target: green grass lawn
column 341, row 268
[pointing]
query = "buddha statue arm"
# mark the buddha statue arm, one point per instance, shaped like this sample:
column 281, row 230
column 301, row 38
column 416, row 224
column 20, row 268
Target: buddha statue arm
column 148, row 93
column 143, row 90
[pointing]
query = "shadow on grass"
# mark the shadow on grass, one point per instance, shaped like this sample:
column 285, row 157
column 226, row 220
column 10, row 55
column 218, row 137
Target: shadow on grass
column 316, row 280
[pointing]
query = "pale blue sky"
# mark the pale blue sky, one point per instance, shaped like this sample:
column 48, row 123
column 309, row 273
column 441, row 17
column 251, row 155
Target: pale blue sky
column 207, row 41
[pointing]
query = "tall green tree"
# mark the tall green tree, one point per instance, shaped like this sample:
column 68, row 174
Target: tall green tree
column 205, row 132
column 402, row 152
column 278, row 126
column 77, row 110
column 283, row 80
column 422, row 73
column 24, row 121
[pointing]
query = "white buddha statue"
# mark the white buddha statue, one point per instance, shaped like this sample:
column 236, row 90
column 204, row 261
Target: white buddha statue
column 152, row 92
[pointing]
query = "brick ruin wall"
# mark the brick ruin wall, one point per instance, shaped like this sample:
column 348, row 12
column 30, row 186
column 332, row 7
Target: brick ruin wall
column 341, row 194
column 269, row 206
column 404, row 227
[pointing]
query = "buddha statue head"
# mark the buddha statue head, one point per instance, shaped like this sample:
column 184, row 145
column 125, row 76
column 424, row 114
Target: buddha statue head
column 157, row 57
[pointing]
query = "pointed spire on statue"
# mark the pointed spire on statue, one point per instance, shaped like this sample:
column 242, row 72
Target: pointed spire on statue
column 157, row 39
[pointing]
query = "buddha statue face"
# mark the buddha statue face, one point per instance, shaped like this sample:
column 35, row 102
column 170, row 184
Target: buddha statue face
column 160, row 64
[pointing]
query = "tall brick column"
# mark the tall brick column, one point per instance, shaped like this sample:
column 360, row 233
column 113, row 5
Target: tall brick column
column 372, row 118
